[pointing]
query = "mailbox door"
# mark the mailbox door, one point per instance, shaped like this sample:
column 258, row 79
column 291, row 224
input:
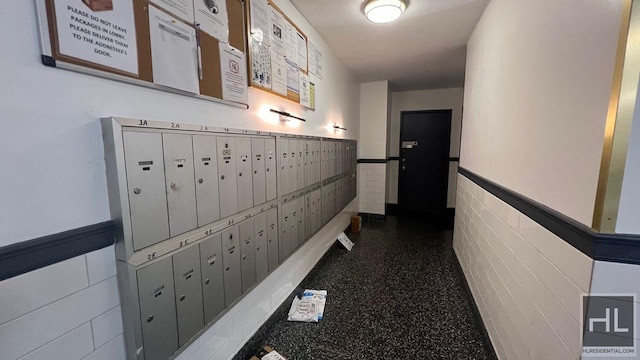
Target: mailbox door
column 247, row 254
column 245, row 181
column 212, row 277
column 181, row 189
column 258, row 165
column 301, row 220
column 158, row 309
column 231, row 265
column 206, row 175
column 144, row 164
column 293, row 165
column 271, row 169
column 260, row 236
column 228, row 186
column 188, row 282
column 272, row 238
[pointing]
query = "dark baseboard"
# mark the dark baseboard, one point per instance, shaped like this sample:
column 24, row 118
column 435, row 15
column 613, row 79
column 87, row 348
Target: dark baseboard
column 445, row 218
column 367, row 216
column 474, row 308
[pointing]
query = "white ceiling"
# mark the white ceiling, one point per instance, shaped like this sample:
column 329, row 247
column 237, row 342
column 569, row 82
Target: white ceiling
column 424, row 49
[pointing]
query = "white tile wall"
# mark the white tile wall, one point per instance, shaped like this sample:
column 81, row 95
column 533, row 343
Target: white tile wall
column 526, row 281
column 63, row 311
column 107, row 326
column 372, row 188
column 615, row 278
column 46, row 285
column 71, row 310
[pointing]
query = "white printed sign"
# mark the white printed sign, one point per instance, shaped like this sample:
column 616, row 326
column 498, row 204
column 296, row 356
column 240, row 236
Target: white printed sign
column 104, row 36
column 234, row 74
column 345, row 241
column 211, row 16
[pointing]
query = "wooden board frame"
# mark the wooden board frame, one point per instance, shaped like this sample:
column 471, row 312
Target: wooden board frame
column 291, row 96
column 210, row 86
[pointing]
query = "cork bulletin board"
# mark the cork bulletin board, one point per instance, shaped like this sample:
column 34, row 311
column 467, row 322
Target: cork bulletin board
column 278, row 54
column 190, row 47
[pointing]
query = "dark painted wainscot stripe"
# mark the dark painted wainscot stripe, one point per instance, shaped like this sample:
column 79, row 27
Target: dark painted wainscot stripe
column 621, row 248
column 372, row 161
column 34, row 254
column 397, row 158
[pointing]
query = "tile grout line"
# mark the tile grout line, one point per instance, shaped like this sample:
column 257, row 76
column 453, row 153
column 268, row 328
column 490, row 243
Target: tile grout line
column 56, row 301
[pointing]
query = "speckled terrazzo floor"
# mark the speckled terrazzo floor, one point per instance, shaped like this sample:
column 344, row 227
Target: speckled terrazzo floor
column 397, row 295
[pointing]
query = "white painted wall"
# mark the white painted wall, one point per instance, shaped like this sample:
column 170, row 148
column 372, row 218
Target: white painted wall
column 629, row 208
column 54, row 180
column 536, row 97
column 375, row 101
column 373, row 120
column 438, row 99
column 51, row 146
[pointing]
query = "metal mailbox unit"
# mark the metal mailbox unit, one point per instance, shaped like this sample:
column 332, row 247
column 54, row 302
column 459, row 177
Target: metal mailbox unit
column 204, row 214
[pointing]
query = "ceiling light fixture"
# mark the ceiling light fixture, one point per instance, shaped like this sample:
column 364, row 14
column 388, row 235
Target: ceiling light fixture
column 384, row 11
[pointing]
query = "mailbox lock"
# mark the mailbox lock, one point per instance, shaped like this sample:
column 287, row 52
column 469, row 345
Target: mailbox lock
column 173, row 185
column 258, row 248
column 150, row 318
column 255, row 171
column 228, row 268
column 244, row 257
column 206, row 282
column 137, row 191
column 222, row 177
column 200, row 181
column 182, row 297
column 240, row 174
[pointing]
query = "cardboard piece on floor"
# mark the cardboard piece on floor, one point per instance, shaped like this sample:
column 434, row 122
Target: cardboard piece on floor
column 345, row 241
column 267, row 353
column 356, row 223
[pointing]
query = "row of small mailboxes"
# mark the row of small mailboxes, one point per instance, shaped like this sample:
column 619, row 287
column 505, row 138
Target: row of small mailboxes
column 177, row 182
column 178, row 295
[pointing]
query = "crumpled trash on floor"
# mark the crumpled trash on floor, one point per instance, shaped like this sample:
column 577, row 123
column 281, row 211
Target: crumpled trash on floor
column 309, row 307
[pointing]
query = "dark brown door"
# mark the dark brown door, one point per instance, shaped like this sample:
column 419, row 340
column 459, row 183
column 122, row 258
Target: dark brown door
column 424, row 160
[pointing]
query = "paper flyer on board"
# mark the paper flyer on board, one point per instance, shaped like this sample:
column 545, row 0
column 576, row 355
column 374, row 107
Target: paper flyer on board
column 260, row 64
column 234, row 74
column 301, row 42
column 260, row 20
column 305, row 91
column 104, row 36
column 315, row 60
column 278, row 73
column 291, row 42
column 312, row 95
column 174, row 52
column 211, row 16
column 293, row 77
column 179, row 8
column 277, row 31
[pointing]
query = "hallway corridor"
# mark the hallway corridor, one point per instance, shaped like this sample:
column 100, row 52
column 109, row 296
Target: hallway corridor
column 397, row 295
